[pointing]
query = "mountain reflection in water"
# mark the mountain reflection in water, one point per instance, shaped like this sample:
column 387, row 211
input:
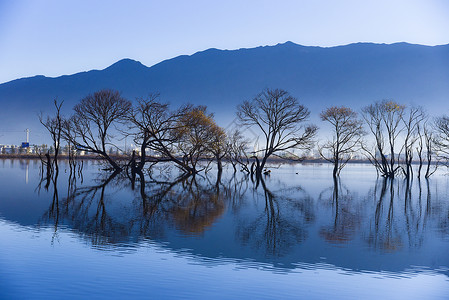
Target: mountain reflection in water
column 357, row 223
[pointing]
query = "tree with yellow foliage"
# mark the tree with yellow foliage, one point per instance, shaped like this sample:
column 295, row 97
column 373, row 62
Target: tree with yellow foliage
column 347, row 132
column 199, row 136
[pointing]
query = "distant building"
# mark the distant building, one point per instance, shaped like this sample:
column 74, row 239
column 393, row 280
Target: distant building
column 15, row 149
column 9, row 149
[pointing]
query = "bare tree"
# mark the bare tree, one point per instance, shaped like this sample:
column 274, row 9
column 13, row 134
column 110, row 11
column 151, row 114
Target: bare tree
column 89, row 129
column 420, row 148
column 347, row 132
column 157, row 125
column 151, row 121
column 281, row 119
column 384, row 122
column 237, row 150
column 426, row 142
column 54, row 125
column 429, row 142
column 441, row 139
column 412, row 118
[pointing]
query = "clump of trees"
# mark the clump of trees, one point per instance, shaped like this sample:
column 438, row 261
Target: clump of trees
column 189, row 138
column 383, row 120
column 399, row 132
column 182, row 136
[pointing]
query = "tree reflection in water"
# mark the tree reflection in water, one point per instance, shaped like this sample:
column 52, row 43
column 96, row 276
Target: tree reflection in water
column 399, row 220
column 190, row 204
column 393, row 216
column 347, row 213
column 283, row 222
column 269, row 217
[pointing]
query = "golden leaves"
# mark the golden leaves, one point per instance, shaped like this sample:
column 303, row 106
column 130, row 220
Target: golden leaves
column 391, row 106
column 336, row 112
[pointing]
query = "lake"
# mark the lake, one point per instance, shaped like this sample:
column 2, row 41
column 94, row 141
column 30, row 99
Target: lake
column 296, row 234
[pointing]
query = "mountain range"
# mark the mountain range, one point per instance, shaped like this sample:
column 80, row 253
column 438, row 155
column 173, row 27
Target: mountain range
column 353, row 75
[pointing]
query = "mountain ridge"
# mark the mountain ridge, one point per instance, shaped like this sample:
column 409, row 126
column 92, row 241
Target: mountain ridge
column 353, row 75
column 223, row 50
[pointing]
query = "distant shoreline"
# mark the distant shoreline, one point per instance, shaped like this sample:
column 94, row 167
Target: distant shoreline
column 60, row 156
column 63, row 157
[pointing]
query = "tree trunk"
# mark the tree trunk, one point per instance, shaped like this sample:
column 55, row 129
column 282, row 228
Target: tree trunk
column 335, row 170
column 219, row 166
column 142, row 157
column 261, row 165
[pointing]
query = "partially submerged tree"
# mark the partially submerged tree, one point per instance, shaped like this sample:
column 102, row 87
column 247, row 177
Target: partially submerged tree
column 384, row 122
column 441, row 139
column 280, row 118
column 90, row 127
column 430, row 151
column 347, row 132
column 412, row 119
column 420, row 147
column 198, row 136
column 237, row 150
column 425, row 148
column 54, row 125
column 217, row 144
column 150, row 124
column 182, row 136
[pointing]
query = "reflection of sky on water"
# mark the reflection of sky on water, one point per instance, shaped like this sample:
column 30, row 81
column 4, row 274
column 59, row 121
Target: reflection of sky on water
column 152, row 269
column 295, row 224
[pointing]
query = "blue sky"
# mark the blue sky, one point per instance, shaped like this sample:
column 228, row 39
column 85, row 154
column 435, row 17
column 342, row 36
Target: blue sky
column 53, row 37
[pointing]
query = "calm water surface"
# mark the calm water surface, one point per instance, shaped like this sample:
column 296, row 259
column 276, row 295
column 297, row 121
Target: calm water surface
column 296, row 234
